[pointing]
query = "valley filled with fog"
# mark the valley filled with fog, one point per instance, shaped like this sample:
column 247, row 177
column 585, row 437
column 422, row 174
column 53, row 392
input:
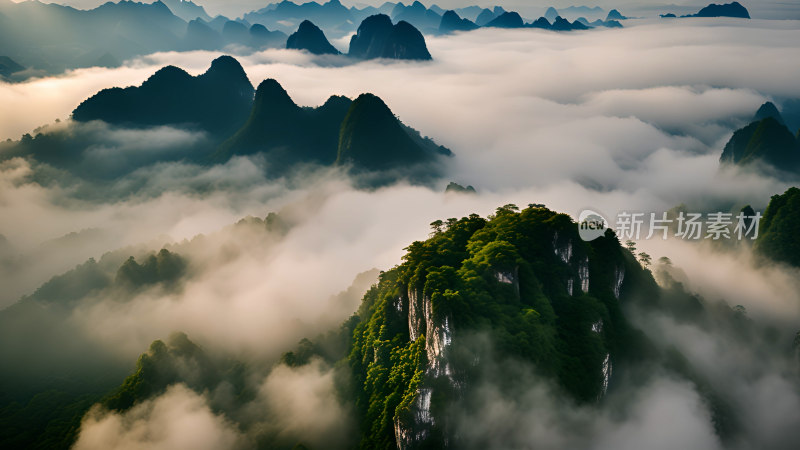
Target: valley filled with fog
column 615, row 119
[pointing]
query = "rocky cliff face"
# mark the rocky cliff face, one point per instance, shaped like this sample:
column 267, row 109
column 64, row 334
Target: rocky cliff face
column 548, row 262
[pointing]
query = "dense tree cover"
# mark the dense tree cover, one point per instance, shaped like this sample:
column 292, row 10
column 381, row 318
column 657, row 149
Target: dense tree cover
column 53, row 373
column 780, row 227
column 531, row 316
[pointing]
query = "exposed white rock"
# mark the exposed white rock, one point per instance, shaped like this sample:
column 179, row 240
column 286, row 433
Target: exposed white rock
column 606, row 374
column 583, row 274
column 415, row 321
column 438, row 337
column 565, row 251
column 597, row 327
column 504, row 277
column 570, row 283
column 619, row 277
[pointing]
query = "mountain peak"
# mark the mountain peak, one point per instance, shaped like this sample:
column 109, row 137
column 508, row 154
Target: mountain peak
column 768, row 109
column 311, row 38
column 270, row 91
column 372, row 138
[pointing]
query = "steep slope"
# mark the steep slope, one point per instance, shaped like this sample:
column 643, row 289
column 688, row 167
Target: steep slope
column 524, row 282
column 506, row 20
column 310, row 38
column 286, row 132
column 378, row 38
column 451, row 22
column 217, row 101
column 768, row 109
column 734, row 9
column 765, row 141
column 372, row 138
column 780, row 227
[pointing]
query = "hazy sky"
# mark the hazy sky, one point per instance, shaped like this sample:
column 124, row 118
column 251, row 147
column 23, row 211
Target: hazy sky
column 612, row 119
column 529, row 8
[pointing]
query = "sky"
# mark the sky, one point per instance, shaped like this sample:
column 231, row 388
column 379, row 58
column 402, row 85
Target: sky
column 528, row 8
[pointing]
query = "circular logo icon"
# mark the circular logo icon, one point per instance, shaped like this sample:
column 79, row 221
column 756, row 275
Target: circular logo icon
column 591, row 225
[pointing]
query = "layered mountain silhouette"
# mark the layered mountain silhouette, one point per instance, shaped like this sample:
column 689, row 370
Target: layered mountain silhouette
column 507, row 20
column 451, row 22
column 187, row 10
column 49, row 38
column 218, row 115
column 363, row 133
column 615, row 15
column 310, row 38
column 734, row 9
column 377, row 37
column 217, row 101
column 765, row 141
column 372, row 138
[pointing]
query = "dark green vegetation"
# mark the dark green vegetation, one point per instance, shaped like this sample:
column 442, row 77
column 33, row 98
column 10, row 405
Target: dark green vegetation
column 213, row 117
column 765, row 143
column 372, row 138
column 217, row 101
column 310, row 38
column 518, row 288
column 52, row 371
column 377, row 37
column 780, row 228
column 363, row 133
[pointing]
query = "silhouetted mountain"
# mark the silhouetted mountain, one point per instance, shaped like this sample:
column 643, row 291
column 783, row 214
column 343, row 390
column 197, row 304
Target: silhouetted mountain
column 615, row 15
column 235, row 32
column 764, row 141
column 65, row 37
column 372, row 138
column 768, row 109
column 217, row 101
column 485, row 17
column 507, row 20
column 378, row 38
column 572, row 11
column 8, row 66
column 780, row 227
column 541, row 22
column 452, row 22
column 607, row 24
column 418, row 15
column 551, row 14
column 310, row 38
column 562, row 24
column 200, row 36
column 459, row 189
column 187, row 10
column 470, row 12
column 286, row 16
column 734, row 9
column 363, row 133
column 668, row 16
column 261, row 37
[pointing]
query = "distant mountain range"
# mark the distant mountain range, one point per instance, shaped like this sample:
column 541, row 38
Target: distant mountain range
column 765, row 143
column 362, row 134
column 452, row 22
column 48, row 38
column 734, row 9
